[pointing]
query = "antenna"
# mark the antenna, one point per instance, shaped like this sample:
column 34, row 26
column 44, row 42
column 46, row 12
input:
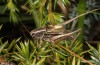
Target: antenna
column 71, row 20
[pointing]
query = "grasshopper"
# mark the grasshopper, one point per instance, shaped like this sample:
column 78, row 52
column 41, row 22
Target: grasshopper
column 56, row 33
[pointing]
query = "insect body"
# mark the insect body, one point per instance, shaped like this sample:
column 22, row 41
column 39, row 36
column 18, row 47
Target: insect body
column 51, row 34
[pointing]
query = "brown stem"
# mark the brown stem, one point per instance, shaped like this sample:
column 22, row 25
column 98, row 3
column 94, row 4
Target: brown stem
column 50, row 7
column 63, row 8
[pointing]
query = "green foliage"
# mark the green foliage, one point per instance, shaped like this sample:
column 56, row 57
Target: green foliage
column 29, row 54
column 13, row 11
column 81, row 9
column 45, row 53
column 95, row 54
column 0, row 27
column 37, row 8
column 6, row 51
column 42, row 10
column 6, row 47
column 2, row 45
